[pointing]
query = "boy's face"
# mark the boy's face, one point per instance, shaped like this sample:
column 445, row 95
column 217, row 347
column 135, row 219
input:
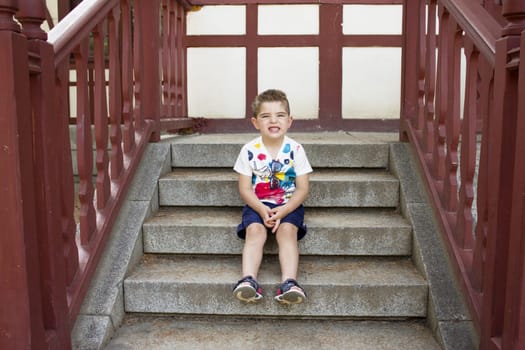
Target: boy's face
column 272, row 121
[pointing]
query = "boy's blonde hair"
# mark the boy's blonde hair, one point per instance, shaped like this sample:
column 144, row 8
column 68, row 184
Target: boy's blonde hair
column 271, row 95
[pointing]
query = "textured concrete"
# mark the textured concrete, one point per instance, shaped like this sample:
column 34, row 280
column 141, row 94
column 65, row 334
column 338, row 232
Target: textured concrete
column 328, row 188
column 448, row 316
column 336, row 286
column 103, row 307
column 334, row 149
column 335, row 231
column 155, row 333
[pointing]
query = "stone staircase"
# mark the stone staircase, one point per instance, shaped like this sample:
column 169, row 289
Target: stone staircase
column 356, row 263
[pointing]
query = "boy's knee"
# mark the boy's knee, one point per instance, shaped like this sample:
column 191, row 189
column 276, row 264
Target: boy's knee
column 286, row 231
column 256, row 233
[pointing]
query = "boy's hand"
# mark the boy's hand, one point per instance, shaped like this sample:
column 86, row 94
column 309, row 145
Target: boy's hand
column 266, row 215
column 276, row 215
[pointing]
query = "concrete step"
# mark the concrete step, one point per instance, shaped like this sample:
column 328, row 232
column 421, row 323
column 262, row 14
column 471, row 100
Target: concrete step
column 331, row 231
column 328, row 188
column 334, row 149
column 336, row 287
column 153, row 332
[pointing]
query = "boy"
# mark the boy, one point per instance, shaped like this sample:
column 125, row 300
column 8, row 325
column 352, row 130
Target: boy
column 273, row 183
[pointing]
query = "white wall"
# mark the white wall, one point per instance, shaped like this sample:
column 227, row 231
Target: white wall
column 216, row 76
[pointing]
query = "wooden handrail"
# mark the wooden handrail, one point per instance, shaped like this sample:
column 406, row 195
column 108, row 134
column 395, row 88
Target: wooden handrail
column 479, row 25
column 76, row 25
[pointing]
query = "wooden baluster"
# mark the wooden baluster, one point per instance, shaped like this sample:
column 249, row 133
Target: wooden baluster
column 130, row 81
column 437, row 163
column 479, row 253
column 430, row 81
column 67, row 198
column 464, row 228
column 166, row 64
column 84, row 147
column 115, row 94
column 148, row 12
column 101, row 117
column 409, row 67
column 452, row 121
column 180, row 60
column 172, row 73
column 421, row 73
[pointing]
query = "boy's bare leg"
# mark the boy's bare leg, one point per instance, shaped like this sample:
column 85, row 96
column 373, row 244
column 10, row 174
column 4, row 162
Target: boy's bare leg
column 288, row 250
column 252, row 253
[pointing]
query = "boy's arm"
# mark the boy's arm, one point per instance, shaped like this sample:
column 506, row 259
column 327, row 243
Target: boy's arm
column 302, row 185
column 250, row 199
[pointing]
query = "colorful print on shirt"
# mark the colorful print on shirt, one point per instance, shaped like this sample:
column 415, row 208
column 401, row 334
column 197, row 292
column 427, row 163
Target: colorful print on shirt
column 273, row 180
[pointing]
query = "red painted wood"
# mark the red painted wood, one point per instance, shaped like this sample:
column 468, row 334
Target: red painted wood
column 452, row 120
column 430, row 80
column 148, row 13
column 115, row 95
column 330, row 64
column 409, row 68
column 21, row 316
column 464, row 228
column 490, row 265
column 84, row 147
column 101, row 118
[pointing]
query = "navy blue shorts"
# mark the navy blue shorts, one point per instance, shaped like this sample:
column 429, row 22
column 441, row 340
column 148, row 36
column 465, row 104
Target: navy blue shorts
column 249, row 216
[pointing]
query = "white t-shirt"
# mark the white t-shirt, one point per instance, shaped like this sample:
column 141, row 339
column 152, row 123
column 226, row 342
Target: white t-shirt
column 273, row 180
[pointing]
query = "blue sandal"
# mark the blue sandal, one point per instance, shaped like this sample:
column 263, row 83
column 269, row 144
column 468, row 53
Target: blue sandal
column 248, row 290
column 290, row 292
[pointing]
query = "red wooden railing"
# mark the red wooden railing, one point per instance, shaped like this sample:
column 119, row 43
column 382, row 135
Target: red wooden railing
column 49, row 250
column 479, row 204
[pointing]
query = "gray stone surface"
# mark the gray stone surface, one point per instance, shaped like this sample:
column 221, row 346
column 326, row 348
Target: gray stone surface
column 336, row 286
column 154, row 333
column 335, row 149
column 448, row 316
column 103, row 306
column 330, row 232
column 328, row 188
column 91, row 331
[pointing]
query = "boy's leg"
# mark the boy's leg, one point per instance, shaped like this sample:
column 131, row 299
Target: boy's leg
column 286, row 237
column 247, row 289
column 252, row 253
column 289, row 291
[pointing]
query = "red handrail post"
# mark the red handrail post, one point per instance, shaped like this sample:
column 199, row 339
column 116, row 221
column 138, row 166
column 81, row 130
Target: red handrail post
column 148, row 15
column 21, row 312
column 409, row 64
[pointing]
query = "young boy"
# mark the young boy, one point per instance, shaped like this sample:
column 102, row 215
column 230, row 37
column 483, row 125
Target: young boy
column 273, row 183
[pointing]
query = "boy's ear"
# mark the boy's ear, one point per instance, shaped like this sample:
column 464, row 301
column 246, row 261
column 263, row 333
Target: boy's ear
column 254, row 123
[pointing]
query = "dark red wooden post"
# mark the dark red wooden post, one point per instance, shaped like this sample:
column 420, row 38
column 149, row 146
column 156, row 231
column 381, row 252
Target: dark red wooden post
column 502, row 283
column 21, row 312
column 409, row 63
column 512, row 154
column 330, row 63
column 46, row 146
column 149, row 17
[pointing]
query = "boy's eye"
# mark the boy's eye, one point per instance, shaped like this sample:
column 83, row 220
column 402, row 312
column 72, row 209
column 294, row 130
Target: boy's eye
column 281, row 116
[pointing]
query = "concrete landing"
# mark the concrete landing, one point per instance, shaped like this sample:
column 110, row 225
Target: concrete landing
column 163, row 333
